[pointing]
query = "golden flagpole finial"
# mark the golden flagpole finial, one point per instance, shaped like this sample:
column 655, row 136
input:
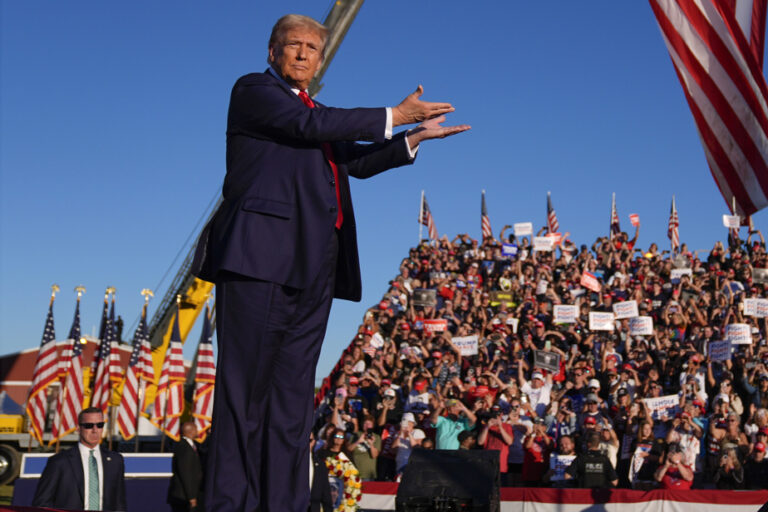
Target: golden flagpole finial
column 80, row 290
column 178, row 300
column 54, row 290
column 147, row 293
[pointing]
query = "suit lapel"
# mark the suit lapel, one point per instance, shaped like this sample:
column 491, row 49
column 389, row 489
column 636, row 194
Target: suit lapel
column 76, row 464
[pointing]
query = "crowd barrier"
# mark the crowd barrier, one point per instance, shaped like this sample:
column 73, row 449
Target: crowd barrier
column 380, row 496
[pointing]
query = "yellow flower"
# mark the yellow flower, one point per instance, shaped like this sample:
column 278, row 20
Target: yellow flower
column 350, row 502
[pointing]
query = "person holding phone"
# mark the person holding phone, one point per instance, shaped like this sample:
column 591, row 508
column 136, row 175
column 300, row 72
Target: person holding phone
column 674, row 474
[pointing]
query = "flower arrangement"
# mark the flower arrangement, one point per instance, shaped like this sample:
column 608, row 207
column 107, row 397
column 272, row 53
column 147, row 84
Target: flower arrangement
column 341, row 468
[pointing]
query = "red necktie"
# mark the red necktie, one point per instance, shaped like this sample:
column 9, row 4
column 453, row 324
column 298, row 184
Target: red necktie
column 329, row 156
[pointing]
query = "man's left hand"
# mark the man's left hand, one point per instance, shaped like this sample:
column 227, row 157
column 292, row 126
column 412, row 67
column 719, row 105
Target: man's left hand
column 432, row 129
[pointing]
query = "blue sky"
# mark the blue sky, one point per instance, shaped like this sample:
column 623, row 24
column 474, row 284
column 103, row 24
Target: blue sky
column 112, row 121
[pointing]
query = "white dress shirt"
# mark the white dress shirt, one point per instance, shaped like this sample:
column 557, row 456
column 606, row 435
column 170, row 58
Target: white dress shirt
column 85, row 454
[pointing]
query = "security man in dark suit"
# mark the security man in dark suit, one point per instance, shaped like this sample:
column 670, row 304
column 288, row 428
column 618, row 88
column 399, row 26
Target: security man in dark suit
column 280, row 247
column 84, row 477
column 184, row 492
column 320, row 493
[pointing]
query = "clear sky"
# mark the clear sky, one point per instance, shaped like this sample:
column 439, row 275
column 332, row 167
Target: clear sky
column 112, row 122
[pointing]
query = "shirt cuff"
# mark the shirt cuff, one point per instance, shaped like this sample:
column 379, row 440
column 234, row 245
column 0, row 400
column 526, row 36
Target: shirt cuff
column 388, row 127
column 411, row 152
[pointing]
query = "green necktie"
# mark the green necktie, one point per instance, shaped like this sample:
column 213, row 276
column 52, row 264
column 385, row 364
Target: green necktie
column 93, row 484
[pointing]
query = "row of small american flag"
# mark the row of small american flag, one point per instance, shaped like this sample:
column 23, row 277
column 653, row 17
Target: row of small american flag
column 553, row 226
column 109, row 380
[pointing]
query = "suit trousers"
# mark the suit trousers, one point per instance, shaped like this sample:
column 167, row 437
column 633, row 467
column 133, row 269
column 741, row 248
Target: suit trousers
column 269, row 340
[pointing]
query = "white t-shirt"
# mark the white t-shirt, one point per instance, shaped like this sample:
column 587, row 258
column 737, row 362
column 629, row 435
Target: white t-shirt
column 539, row 398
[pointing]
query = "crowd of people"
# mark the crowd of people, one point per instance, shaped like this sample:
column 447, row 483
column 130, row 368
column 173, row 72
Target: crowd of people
column 563, row 404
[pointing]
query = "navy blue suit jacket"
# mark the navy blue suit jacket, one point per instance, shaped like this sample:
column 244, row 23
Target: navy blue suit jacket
column 279, row 206
column 62, row 482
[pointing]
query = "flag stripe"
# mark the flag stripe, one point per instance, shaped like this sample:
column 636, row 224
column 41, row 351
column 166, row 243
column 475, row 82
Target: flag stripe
column 718, row 85
column 723, row 83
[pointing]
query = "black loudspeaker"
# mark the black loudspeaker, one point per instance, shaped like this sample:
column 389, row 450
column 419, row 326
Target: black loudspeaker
column 450, row 481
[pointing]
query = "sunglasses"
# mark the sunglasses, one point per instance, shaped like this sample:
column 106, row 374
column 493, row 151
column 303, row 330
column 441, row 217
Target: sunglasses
column 89, row 426
column 338, row 436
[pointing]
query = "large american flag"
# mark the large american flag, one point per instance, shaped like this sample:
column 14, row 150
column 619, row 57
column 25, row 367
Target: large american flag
column 615, row 227
column 70, row 400
column 552, row 225
column 717, row 51
column 673, row 229
column 133, row 386
column 102, row 387
column 169, row 399
column 45, row 372
column 427, row 219
column 485, row 221
column 205, row 380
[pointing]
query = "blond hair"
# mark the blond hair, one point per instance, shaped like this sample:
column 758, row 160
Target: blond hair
column 291, row 21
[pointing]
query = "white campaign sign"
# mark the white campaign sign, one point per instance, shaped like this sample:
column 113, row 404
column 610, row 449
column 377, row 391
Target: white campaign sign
column 467, row 345
column 719, row 350
column 641, row 326
column 543, row 243
column 738, row 334
column 731, row 221
column 756, row 307
column 662, row 405
column 600, row 321
column 523, row 228
column 565, row 314
column 677, row 273
column 512, row 322
column 626, row 309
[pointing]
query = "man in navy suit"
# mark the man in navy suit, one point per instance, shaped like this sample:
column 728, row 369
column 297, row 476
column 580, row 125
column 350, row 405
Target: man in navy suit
column 85, row 477
column 281, row 246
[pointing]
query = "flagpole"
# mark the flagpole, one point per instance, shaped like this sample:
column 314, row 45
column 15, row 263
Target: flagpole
column 147, row 293
column 421, row 216
column 110, row 408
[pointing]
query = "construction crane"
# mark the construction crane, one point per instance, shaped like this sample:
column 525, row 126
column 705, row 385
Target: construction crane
column 193, row 291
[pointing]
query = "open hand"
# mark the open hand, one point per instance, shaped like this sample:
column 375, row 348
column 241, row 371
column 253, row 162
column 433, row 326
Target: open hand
column 413, row 110
column 431, row 129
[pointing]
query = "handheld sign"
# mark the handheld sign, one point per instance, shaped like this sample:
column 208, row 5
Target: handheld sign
column 424, row 297
column 565, row 314
column 626, row 309
column 662, row 406
column 523, row 229
column 467, row 345
column 738, row 334
column 435, row 325
column 549, row 361
column 719, row 350
column 760, row 275
column 600, row 321
column 558, row 464
column 556, row 238
column 676, row 273
column 731, row 221
column 756, row 307
column 634, row 219
column 497, row 297
column 543, row 243
column 513, row 322
column 590, row 282
column 641, row 326
column 509, row 250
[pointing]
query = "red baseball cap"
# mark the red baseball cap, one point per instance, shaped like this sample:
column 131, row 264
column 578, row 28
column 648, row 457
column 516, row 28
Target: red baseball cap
column 589, row 420
column 760, row 447
column 353, row 381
